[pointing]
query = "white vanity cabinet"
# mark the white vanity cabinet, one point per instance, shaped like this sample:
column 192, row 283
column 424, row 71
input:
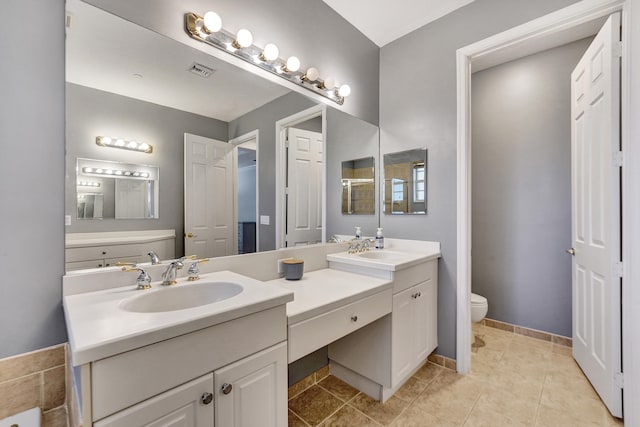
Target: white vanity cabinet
column 95, row 250
column 380, row 357
column 234, row 373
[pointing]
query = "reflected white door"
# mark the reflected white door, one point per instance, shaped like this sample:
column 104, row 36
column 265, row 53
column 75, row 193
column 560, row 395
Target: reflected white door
column 304, row 187
column 595, row 142
column 209, row 197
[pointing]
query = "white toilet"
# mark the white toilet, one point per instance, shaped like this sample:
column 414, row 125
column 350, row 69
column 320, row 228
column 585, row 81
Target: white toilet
column 479, row 307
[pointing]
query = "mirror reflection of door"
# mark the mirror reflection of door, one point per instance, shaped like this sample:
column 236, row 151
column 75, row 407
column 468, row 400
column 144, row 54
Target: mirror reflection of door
column 247, row 196
column 304, row 187
column 209, row 204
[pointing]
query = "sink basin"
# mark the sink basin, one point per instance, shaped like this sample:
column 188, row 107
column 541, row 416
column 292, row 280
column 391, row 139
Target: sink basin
column 181, row 297
column 380, row 255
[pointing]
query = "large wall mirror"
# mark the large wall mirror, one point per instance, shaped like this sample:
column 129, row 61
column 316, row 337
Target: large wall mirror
column 405, row 182
column 126, row 81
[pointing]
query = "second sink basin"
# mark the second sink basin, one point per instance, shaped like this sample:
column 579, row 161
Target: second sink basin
column 181, row 297
column 381, row 255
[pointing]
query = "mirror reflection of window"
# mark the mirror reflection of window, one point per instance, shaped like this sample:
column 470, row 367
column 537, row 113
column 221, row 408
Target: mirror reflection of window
column 405, row 182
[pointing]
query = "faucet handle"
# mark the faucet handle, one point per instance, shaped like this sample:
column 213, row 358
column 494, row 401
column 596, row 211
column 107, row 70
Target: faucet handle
column 144, row 279
column 155, row 259
column 194, row 271
column 181, row 259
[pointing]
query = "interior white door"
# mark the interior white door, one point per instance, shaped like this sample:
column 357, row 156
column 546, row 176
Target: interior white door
column 209, row 197
column 304, row 187
column 595, row 143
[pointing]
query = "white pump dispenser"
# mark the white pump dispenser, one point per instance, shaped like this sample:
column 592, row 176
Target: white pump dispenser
column 379, row 239
column 358, row 233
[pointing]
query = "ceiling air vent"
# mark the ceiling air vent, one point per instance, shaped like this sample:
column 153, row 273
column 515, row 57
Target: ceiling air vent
column 201, row 70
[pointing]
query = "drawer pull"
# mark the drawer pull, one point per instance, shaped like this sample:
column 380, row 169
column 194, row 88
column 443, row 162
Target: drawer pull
column 206, row 398
column 354, row 318
column 226, row 388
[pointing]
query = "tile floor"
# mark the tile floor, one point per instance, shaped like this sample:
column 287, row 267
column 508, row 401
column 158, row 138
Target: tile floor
column 515, row 381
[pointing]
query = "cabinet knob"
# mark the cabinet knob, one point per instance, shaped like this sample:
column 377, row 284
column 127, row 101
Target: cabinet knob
column 419, row 294
column 206, row 398
column 354, row 318
column 226, row 388
column 104, row 253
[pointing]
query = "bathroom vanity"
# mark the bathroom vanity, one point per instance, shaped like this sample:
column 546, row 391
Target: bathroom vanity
column 222, row 361
column 379, row 358
column 104, row 249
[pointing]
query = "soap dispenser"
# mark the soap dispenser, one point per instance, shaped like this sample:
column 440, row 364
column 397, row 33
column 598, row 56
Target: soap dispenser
column 379, row 239
column 358, row 233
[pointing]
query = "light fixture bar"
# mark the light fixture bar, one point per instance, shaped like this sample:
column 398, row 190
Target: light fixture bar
column 88, row 184
column 116, row 173
column 241, row 46
column 107, row 141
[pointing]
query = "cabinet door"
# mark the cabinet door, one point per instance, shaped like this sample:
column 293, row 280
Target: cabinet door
column 423, row 321
column 403, row 335
column 183, row 406
column 253, row 391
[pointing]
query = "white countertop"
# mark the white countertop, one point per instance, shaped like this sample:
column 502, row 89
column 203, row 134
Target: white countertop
column 324, row 290
column 79, row 240
column 99, row 328
column 392, row 259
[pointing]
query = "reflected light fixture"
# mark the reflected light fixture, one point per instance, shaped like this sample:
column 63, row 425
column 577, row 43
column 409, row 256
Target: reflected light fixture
column 106, row 141
column 111, row 172
column 88, row 184
column 208, row 29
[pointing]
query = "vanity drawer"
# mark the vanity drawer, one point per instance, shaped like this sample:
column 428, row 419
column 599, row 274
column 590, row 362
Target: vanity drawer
column 102, row 252
column 311, row 334
column 404, row 279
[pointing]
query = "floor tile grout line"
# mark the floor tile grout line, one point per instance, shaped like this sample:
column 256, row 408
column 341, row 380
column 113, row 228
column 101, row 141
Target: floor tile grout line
column 358, row 410
column 299, row 417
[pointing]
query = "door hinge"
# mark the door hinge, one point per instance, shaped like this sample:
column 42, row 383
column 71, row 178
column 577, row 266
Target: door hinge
column 617, row 49
column 618, row 158
column 618, row 379
column 617, row 269
column 286, row 191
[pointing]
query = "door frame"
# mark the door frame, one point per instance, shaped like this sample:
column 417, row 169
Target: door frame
column 254, row 134
column 319, row 110
column 521, row 38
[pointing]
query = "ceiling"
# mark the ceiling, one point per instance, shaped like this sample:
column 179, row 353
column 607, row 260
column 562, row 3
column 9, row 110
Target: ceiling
column 384, row 21
column 108, row 53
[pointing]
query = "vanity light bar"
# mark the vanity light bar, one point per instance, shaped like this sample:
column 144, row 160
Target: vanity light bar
column 107, row 141
column 115, row 172
column 88, row 184
column 208, row 29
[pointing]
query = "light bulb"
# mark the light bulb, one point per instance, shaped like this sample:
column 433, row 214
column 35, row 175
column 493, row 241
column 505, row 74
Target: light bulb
column 120, row 143
column 132, row 145
column 144, row 146
column 329, row 83
column 244, row 38
column 98, row 170
column 312, row 74
column 293, row 64
column 344, row 91
column 109, row 172
column 118, row 173
column 106, row 140
column 270, row 52
column 212, row 22
column 87, row 170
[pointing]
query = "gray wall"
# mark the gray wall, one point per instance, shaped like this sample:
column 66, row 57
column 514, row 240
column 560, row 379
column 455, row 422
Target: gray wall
column 31, row 176
column 521, row 195
column 349, row 138
column 418, row 108
column 92, row 112
column 308, row 29
column 264, row 120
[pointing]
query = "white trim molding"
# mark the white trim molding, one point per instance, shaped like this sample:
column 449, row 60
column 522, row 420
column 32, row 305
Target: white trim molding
column 540, row 32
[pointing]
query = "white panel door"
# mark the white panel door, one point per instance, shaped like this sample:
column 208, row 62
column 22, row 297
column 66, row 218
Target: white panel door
column 183, row 406
column 253, row 391
column 304, row 187
column 595, row 141
column 209, row 197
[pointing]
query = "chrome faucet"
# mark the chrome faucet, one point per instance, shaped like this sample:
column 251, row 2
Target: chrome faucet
column 143, row 281
column 155, row 259
column 170, row 274
column 194, row 271
column 356, row 246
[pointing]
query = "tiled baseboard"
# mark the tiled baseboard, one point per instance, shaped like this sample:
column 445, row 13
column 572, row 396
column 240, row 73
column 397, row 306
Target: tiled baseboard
column 35, row 379
column 532, row 333
column 442, row 361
